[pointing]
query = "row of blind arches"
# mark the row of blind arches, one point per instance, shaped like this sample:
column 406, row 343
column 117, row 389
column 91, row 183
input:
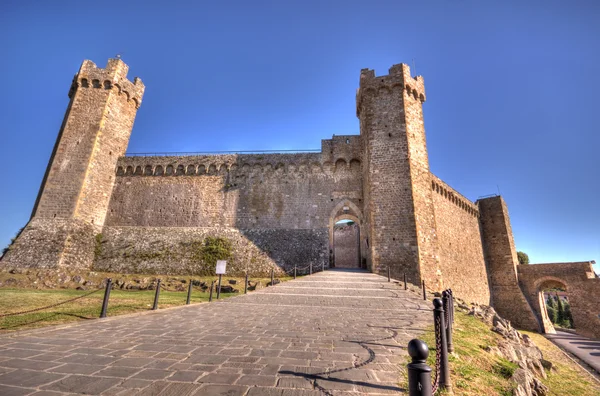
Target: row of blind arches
column 454, row 199
column 194, row 170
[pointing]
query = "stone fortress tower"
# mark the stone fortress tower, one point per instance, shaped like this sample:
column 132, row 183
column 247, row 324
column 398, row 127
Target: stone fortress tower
column 73, row 200
column 101, row 209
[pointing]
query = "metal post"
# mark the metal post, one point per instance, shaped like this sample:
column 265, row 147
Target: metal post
column 424, row 291
column 187, row 302
column 389, row 278
column 311, row 268
column 419, row 373
column 440, row 331
column 272, row 277
column 447, row 298
column 295, row 270
column 219, row 287
column 106, row 297
column 156, row 295
column 212, row 286
column 323, row 266
column 405, row 284
column 246, row 284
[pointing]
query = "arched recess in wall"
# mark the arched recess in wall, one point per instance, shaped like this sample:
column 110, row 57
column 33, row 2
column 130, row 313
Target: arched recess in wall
column 345, row 209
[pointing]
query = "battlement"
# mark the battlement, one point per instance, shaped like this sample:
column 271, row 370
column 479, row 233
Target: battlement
column 240, row 165
column 398, row 76
column 114, row 76
column 442, row 188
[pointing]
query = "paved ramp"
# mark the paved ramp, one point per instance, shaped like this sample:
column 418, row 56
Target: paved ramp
column 332, row 333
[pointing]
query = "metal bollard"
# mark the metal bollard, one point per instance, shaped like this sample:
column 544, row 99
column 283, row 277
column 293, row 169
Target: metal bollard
column 106, row 297
column 424, row 291
column 323, row 266
column 219, row 287
column 389, row 278
column 405, row 284
column 212, row 285
column 440, row 331
column 419, row 373
column 311, row 268
column 156, row 295
column 295, row 270
column 246, row 284
column 272, row 277
column 189, row 296
column 448, row 300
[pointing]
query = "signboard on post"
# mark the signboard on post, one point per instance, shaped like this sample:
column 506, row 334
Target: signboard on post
column 221, row 264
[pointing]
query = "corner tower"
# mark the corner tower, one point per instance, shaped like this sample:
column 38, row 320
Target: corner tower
column 73, row 199
column 397, row 182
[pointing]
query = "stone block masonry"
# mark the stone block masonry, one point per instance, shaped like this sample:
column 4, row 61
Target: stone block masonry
column 99, row 209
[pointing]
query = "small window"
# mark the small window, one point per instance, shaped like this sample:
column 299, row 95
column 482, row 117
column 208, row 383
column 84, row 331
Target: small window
column 347, row 141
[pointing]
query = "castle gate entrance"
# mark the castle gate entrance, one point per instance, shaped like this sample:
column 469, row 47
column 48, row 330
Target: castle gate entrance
column 346, row 244
column 345, row 237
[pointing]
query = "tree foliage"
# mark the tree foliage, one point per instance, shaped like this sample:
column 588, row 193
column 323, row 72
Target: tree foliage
column 523, row 258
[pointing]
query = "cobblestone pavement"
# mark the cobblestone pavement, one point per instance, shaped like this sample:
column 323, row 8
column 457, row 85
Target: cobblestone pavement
column 332, row 333
column 586, row 349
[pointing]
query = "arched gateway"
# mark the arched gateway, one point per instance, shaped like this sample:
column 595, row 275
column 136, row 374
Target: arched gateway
column 345, row 236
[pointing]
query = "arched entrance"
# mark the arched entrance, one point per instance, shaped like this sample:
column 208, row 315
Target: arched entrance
column 345, row 236
column 554, row 304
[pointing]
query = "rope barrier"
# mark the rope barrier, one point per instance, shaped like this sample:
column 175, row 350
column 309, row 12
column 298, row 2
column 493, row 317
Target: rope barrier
column 50, row 306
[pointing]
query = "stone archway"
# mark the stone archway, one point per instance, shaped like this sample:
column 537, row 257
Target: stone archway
column 542, row 285
column 346, row 242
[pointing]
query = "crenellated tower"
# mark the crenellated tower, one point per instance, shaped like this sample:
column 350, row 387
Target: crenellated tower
column 396, row 179
column 73, row 199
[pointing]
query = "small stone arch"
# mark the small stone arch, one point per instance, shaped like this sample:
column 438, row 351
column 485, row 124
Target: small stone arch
column 212, row 169
column 120, row 171
column 129, row 170
column 180, row 170
column 355, row 165
column 191, row 170
column 96, row 83
column 201, row 169
column 148, row 170
column 107, row 84
column 85, row 83
column 169, row 171
column 223, row 169
column 159, row 171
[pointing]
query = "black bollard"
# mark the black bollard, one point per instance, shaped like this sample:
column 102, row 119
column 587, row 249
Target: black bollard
column 106, row 297
column 424, row 291
column 272, row 277
column 448, row 300
column 419, row 373
column 295, row 271
column 156, row 295
column 219, row 287
column 389, row 278
column 189, row 296
column 405, row 284
column 310, row 268
column 440, row 331
column 212, row 286
column 246, row 284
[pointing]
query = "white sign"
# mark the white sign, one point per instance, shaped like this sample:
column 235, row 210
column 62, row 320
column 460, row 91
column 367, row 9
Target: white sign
column 221, row 267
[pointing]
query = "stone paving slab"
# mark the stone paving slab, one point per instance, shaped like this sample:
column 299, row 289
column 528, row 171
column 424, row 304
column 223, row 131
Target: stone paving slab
column 331, row 333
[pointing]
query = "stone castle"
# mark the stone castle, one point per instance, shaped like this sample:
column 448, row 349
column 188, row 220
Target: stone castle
column 101, row 209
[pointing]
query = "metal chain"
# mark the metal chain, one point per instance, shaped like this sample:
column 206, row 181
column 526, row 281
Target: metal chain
column 438, row 355
column 49, row 306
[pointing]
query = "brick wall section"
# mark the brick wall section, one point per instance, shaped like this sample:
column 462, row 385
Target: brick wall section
column 501, row 258
column 581, row 284
column 174, row 250
column 396, row 175
column 346, row 246
column 79, row 179
column 459, row 244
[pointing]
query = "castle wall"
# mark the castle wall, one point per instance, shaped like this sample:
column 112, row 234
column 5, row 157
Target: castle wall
column 459, row 244
column 176, row 250
column 501, row 259
column 276, row 201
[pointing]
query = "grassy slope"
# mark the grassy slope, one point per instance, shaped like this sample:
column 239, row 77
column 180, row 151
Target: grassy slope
column 477, row 372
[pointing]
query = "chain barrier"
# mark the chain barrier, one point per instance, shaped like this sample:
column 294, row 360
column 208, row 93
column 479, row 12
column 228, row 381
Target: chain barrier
column 49, row 306
column 438, row 356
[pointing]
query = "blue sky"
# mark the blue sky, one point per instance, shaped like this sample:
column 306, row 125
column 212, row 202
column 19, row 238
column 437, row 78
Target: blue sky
column 512, row 91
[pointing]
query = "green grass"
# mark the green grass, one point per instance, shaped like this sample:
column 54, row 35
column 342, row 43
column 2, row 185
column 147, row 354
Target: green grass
column 121, row 302
column 474, row 371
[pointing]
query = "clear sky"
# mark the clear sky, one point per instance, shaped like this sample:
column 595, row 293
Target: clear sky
column 512, row 87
